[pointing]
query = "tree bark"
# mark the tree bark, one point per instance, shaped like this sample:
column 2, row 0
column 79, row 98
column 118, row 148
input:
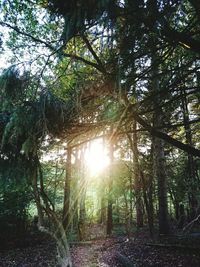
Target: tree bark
column 103, row 210
column 110, row 184
column 37, row 199
column 158, row 154
column 148, row 202
column 133, row 140
column 66, row 203
column 76, row 191
column 191, row 179
column 82, row 209
column 160, row 173
column 131, row 199
column 56, row 229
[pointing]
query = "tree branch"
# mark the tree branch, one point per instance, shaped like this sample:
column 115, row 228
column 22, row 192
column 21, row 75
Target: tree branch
column 182, row 38
column 93, row 53
column 87, row 62
column 54, row 49
column 35, row 39
column 153, row 131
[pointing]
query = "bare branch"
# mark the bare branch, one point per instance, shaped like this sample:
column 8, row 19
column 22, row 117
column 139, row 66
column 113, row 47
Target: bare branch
column 89, row 46
column 35, row 39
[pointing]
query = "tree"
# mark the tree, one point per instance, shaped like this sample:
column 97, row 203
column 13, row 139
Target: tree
column 66, row 203
column 110, row 189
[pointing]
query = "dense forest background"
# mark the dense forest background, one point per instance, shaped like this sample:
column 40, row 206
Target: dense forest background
column 99, row 119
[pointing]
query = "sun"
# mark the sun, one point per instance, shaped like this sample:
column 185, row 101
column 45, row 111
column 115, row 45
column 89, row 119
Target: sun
column 96, row 157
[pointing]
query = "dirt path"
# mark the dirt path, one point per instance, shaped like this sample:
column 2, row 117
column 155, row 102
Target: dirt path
column 104, row 253
column 88, row 255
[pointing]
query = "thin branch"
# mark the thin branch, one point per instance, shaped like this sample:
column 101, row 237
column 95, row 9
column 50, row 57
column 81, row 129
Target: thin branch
column 89, row 46
column 190, row 224
column 87, row 62
column 35, row 39
column 52, row 48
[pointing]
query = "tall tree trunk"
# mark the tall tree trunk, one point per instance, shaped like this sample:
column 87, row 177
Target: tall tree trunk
column 82, row 209
column 191, row 180
column 158, row 153
column 137, row 179
column 131, row 199
column 40, row 222
column 82, row 216
column 160, row 173
column 56, row 229
column 66, row 204
column 148, row 202
column 109, row 226
column 55, row 183
column 103, row 209
column 150, row 192
column 76, row 191
column 103, row 192
column 127, row 217
column 136, row 176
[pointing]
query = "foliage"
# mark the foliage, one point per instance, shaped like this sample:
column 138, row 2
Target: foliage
column 15, row 196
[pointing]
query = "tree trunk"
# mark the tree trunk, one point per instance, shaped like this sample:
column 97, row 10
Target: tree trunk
column 127, row 217
column 137, row 179
column 82, row 216
column 191, row 179
column 82, row 210
column 136, row 176
column 40, row 222
column 66, row 204
column 103, row 204
column 151, row 208
column 110, row 184
column 131, row 199
column 158, row 155
column 55, row 184
column 103, row 210
column 148, row 202
column 56, row 229
column 76, row 191
column 159, row 170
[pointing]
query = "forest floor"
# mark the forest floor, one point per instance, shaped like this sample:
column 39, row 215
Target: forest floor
column 108, row 253
column 104, row 252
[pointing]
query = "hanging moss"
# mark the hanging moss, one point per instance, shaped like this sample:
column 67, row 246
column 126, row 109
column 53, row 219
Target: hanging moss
column 91, row 8
column 23, row 129
column 79, row 13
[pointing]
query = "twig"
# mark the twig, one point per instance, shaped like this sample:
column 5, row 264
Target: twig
column 190, row 224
